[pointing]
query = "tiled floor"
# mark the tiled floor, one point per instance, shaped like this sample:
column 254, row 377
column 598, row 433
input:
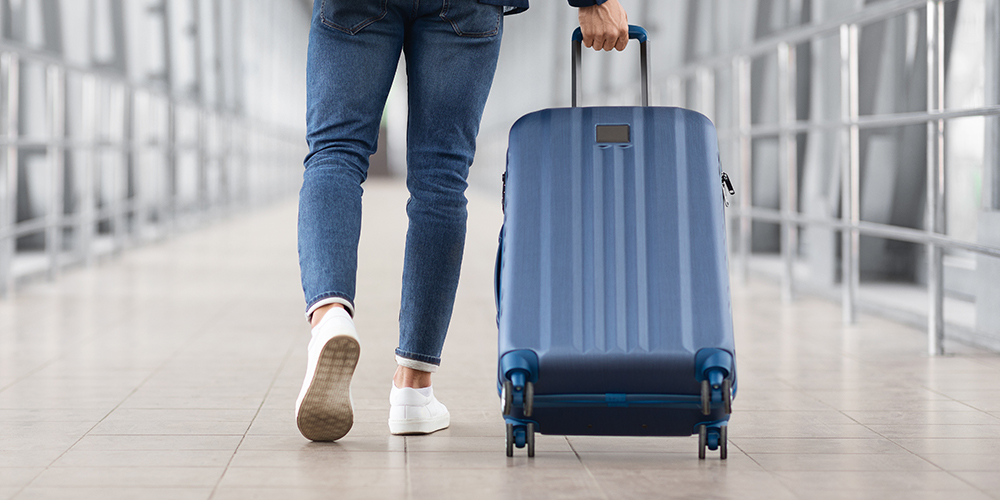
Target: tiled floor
column 172, row 371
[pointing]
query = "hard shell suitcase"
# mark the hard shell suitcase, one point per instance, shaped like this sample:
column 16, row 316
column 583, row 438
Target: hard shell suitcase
column 612, row 282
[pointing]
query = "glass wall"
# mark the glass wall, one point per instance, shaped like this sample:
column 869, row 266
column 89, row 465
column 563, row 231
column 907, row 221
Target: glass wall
column 124, row 120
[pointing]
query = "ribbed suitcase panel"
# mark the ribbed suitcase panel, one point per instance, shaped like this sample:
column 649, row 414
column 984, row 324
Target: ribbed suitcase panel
column 614, row 249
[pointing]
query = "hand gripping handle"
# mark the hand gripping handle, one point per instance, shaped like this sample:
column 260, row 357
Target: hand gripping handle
column 634, row 33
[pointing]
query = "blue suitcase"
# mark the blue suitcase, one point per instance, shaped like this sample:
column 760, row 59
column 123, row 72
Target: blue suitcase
column 612, row 282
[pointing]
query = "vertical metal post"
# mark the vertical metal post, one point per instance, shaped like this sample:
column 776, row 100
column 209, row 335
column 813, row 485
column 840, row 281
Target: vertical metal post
column 706, row 91
column 246, row 164
column 130, row 212
column 137, row 142
column 788, row 159
column 232, row 162
column 850, row 169
column 10, row 80
column 56, row 99
column 644, row 72
column 575, row 76
column 201, row 164
column 991, row 158
column 225, row 162
column 675, row 92
column 87, row 218
column 118, row 147
column 742, row 73
column 158, row 108
column 171, row 193
column 935, row 176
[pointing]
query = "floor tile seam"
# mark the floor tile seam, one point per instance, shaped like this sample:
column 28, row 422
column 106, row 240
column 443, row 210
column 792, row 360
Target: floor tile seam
column 938, row 467
column 274, row 379
column 101, row 420
column 85, row 434
column 741, row 438
column 173, row 434
column 923, row 455
column 590, row 474
column 119, row 487
column 131, row 467
column 44, row 365
column 789, row 482
column 939, row 393
column 868, row 427
column 407, row 473
column 741, row 450
column 777, row 479
column 985, row 361
column 185, row 408
column 147, row 450
column 831, row 454
column 985, row 491
column 806, row 394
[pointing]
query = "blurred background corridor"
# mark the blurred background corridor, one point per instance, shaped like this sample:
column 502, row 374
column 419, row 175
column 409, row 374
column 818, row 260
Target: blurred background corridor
column 151, row 340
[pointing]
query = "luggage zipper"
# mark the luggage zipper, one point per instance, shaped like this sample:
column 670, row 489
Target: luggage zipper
column 503, row 192
column 727, row 186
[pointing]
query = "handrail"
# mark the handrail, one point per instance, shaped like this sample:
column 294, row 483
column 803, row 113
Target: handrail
column 870, row 14
column 159, row 90
column 848, row 124
column 245, row 153
column 887, row 231
column 863, row 121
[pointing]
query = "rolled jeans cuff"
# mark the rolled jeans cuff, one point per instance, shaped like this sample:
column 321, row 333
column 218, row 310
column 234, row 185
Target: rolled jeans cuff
column 327, row 301
column 415, row 364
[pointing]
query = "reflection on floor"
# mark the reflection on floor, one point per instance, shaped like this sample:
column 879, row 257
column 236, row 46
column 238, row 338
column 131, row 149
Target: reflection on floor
column 172, row 371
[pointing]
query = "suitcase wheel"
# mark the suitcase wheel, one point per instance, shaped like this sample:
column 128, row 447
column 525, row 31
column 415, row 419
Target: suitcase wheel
column 510, row 440
column 527, row 392
column 508, row 397
column 530, row 438
column 727, row 396
column 723, row 442
column 713, row 438
column 520, row 436
column 724, row 391
column 702, row 441
column 529, row 400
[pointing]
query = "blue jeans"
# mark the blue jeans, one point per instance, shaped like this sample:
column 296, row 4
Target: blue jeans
column 451, row 49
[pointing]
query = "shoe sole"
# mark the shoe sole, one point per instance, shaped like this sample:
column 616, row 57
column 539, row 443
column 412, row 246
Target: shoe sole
column 326, row 413
column 403, row 427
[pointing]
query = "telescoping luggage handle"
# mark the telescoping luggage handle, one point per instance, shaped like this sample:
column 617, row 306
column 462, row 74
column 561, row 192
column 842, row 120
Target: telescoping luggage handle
column 634, row 33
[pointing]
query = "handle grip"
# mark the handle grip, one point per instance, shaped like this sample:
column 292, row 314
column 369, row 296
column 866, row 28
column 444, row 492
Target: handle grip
column 634, row 32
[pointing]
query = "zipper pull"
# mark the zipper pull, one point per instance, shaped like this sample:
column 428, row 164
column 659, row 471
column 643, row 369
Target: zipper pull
column 727, row 185
column 503, row 192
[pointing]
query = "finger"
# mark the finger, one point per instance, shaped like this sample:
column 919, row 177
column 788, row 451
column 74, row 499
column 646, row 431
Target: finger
column 622, row 39
column 588, row 41
column 609, row 43
column 622, row 42
column 598, row 43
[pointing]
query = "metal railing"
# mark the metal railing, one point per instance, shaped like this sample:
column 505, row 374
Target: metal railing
column 144, row 164
column 849, row 125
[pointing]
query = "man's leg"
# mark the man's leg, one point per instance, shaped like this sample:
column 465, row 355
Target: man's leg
column 451, row 55
column 353, row 53
column 348, row 79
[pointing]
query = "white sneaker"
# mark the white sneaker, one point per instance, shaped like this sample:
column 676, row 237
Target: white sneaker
column 323, row 410
column 416, row 411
